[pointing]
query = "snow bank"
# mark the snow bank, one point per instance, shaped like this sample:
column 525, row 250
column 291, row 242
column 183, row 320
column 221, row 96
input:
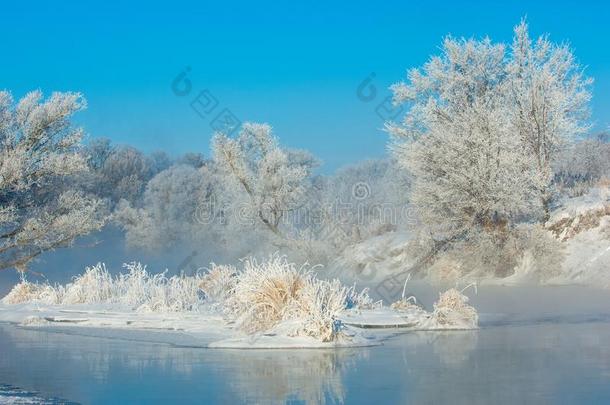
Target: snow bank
column 573, row 248
column 583, row 225
column 267, row 304
column 374, row 259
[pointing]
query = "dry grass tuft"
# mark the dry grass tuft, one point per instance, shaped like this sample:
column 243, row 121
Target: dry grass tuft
column 568, row 227
column 275, row 291
column 452, row 311
column 136, row 289
column 26, row 291
column 405, row 303
column 219, row 282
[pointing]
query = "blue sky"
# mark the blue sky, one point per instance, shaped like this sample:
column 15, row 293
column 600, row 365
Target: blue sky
column 296, row 66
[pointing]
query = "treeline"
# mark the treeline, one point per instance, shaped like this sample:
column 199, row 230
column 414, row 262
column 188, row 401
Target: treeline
column 494, row 136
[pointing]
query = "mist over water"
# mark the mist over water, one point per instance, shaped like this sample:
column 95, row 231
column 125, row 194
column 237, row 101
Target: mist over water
column 108, row 246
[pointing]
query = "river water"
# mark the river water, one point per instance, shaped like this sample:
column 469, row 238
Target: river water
column 557, row 353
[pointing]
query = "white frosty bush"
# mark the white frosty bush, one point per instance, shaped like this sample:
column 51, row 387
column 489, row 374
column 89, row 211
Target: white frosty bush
column 405, row 303
column 93, row 286
column 361, row 300
column 274, row 291
column 219, row 282
column 157, row 293
column 136, row 289
column 26, row 291
column 317, row 306
column 483, row 255
column 452, row 311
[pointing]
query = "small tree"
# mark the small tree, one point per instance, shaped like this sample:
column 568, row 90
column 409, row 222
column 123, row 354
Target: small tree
column 274, row 180
column 40, row 207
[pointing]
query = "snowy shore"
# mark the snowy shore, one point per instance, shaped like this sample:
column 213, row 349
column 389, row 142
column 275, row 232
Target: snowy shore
column 271, row 304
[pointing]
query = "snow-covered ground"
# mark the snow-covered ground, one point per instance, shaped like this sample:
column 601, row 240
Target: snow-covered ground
column 374, row 259
column 582, row 224
column 206, row 329
column 268, row 304
column 201, row 329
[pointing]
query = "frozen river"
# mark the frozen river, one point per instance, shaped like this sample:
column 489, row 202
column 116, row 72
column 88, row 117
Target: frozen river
column 535, row 345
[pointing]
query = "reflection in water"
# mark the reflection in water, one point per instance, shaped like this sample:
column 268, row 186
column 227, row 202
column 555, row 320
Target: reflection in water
column 313, row 376
column 545, row 363
column 96, row 357
column 542, row 363
column 452, row 348
column 248, row 376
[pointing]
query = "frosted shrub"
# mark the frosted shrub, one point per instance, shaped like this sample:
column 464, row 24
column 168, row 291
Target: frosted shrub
column 94, row 285
column 137, row 290
column 26, row 291
column 542, row 249
column 274, row 291
column 452, row 311
column 157, row 293
column 360, row 300
column 264, row 291
column 317, row 305
column 174, row 294
column 218, row 283
column 136, row 287
column 498, row 254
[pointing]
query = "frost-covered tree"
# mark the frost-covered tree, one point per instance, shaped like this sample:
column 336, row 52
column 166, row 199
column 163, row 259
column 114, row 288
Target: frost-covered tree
column 182, row 206
column 240, row 202
column 41, row 207
column 549, row 100
column 359, row 201
column 457, row 139
column 484, row 125
column 125, row 173
column 582, row 164
column 272, row 181
column 195, row 160
column 158, row 161
column 120, row 172
column 97, row 151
